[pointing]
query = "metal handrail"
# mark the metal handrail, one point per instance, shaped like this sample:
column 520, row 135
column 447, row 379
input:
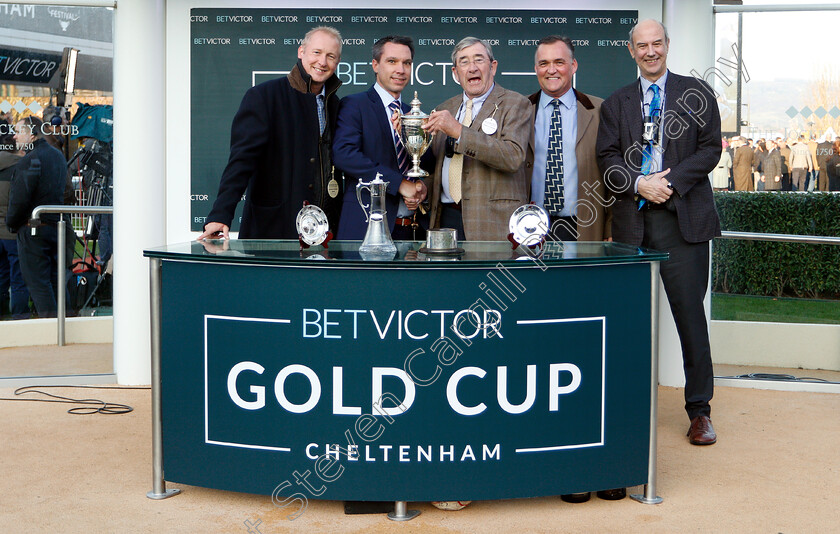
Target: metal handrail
column 767, row 8
column 784, row 238
column 61, row 209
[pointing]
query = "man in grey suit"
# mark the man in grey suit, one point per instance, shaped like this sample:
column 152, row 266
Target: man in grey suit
column 479, row 146
column 658, row 140
column 581, row 213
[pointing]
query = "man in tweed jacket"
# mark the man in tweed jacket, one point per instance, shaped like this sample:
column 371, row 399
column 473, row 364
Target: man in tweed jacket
column 494, row 181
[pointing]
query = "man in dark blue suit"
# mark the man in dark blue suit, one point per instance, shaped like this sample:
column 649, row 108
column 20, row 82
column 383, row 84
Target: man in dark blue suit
column 658, row 140
column 366, row 144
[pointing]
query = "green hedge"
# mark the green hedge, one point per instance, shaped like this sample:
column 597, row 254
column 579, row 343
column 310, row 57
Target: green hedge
column 777, row 269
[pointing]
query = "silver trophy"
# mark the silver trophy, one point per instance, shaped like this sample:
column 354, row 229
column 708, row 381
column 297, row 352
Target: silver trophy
column 414, row 138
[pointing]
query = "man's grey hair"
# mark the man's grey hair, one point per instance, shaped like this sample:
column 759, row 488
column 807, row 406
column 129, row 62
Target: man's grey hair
column 326, row 29
column 664, row 30
column 467, row 42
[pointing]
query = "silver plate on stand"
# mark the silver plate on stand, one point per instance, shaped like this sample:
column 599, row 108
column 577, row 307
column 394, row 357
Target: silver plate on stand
column 529, row 224
column 312, row 225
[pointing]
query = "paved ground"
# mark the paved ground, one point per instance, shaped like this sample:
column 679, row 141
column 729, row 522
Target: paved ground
column 775, row 468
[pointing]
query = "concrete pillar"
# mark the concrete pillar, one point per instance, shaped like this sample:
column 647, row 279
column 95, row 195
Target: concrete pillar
column 691, row 27
column 139, row 176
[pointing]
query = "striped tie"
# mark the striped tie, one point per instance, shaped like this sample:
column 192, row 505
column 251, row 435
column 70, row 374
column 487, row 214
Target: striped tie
column 554, row 200
column 402, row 155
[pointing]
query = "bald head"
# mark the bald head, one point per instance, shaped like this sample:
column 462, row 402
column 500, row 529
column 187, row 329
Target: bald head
column 649, row 47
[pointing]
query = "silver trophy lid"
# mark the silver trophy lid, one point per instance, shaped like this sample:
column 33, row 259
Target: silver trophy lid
column 415, row 112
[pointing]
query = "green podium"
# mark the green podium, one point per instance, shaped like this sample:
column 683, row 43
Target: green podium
column 490, row 375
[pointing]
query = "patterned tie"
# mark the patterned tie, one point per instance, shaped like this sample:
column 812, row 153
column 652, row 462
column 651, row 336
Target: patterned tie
column 655, row 110
column 554, row 200
column 322, row 117
column 402, row 154
column 456, row 165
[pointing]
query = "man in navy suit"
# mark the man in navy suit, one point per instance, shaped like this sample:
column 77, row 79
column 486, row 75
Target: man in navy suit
column 658, row 140
column 366, row 144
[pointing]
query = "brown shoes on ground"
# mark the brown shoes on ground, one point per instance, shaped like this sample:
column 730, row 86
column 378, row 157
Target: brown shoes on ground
column 701, row 431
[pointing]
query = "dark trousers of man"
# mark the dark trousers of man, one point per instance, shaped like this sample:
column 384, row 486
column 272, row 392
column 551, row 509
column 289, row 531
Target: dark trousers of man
column 450, row 217
column 11, row 280
column 563, row 228
column 685, row 276
column 407, row 232
column 798, row 179
column 786, row 181
column 39, row 264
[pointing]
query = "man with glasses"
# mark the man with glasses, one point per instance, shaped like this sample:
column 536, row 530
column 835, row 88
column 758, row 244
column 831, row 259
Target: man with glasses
column 480, row 145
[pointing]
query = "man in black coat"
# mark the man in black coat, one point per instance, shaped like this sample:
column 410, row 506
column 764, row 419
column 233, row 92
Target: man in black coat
column 280, row 147
column 39, row 179
column 670, row 207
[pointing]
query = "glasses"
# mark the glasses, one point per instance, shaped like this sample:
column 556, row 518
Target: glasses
column 479, row 61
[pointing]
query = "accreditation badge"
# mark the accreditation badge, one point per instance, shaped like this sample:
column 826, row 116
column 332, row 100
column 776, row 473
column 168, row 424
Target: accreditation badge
column 489, row 126
column 332, row 188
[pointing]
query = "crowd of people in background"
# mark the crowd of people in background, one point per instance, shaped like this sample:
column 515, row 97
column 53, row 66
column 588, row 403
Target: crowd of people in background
column 794, row 164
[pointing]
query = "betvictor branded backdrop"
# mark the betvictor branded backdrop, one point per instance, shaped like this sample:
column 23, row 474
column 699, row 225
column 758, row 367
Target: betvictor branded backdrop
column 234, row 49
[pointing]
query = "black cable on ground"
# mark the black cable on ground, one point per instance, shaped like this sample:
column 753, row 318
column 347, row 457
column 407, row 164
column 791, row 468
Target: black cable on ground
column 89, row 406
column 780, row 378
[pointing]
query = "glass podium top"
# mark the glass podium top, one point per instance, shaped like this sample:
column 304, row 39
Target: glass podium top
column 346, row 254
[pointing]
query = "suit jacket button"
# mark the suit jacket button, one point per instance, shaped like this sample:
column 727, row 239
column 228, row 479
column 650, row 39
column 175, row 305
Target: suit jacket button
column 311, row 186
column 311, row 160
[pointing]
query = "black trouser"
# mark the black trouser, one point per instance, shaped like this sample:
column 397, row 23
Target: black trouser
column 408, row 233
column 38, row 257
column 786, row 181
column 450, row 217
column 685, row 276
column 563, row 228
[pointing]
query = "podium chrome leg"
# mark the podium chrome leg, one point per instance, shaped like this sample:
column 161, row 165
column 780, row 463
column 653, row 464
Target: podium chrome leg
column 159, row 490
column 401, row 513
column 650, row 497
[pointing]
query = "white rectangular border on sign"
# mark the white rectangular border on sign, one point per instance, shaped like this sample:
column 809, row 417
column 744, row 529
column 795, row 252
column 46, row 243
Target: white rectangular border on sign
column 599, row 443
column 603, row 320
column 206, row 388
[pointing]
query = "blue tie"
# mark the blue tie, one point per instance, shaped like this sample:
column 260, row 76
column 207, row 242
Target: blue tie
column 402, row 155
column 322, row 118
column 655, row 111
column 554, row 164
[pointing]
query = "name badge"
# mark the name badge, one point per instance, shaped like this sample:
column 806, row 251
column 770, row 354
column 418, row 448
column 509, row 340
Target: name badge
column 332, row 188
column 489, row 126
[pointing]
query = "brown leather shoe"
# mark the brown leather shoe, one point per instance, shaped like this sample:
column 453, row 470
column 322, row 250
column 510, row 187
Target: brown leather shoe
column 701, row 431
column 613, row 494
